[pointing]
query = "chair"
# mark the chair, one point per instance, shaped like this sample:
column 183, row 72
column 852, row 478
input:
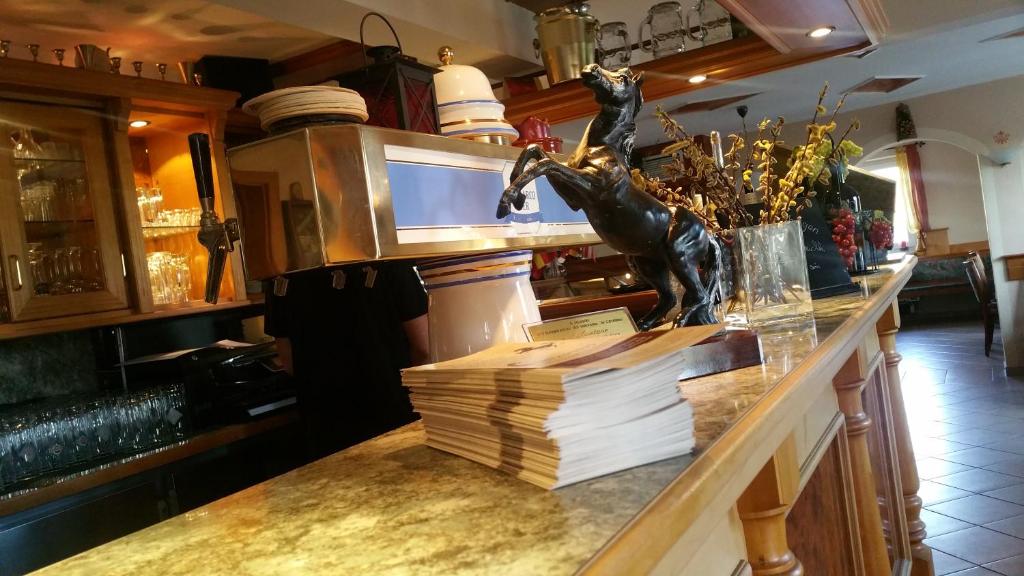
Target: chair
column 978, row 278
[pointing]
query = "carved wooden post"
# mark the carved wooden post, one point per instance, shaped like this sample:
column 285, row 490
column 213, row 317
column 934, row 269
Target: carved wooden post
column 763, row 508
column 887, row 327
column 849, row 383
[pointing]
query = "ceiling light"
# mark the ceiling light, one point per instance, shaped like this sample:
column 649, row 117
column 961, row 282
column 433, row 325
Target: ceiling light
column 821, row 32
column 698, row 78
column 139, row 123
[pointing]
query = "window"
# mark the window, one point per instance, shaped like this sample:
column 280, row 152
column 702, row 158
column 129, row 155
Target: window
column 900, row 229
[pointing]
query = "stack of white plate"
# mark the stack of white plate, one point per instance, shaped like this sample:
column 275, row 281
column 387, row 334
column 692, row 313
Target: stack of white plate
column 327, row 103
column 466, row 104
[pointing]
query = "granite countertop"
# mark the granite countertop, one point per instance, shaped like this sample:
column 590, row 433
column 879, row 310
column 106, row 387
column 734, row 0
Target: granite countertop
column 394, row 506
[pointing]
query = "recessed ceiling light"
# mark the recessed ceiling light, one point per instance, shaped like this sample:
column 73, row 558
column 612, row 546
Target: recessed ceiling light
column 139, row 123
column 698, row 78
column 821, row 32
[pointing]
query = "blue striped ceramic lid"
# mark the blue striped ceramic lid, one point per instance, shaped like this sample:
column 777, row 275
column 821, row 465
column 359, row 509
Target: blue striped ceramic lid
column 446, row 262
column 495, row 130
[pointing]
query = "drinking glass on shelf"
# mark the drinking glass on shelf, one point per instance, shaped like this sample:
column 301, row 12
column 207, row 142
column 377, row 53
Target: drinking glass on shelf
column 156, row 196
column 23, row 446
column 667, row 29
column 41, row 265
column 92, row 270
column 613, row 44
column 61, row 280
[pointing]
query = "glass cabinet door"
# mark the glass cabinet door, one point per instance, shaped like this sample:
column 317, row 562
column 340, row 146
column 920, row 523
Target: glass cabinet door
column 57, row 227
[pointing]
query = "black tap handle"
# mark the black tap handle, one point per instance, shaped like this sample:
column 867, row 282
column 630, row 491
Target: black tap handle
column 202, row 165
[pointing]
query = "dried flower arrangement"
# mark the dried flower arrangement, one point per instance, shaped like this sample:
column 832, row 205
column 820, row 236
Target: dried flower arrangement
column 720, row 186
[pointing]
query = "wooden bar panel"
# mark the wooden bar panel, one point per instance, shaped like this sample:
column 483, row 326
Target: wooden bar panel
column 822, row 525
column 887, row 327
column 723, row 550
column 812, row 430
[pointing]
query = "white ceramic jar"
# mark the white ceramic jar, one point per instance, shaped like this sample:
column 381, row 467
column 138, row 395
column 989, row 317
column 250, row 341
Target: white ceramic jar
column 478, row 301
column 466, row 104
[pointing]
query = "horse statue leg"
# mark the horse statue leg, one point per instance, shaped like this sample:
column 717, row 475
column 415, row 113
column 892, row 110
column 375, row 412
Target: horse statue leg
column 573, row 182
column 688, row 246
column 655, row 272
column 529, row 154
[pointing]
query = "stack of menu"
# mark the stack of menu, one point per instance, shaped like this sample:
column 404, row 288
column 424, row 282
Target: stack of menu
column 557, row 413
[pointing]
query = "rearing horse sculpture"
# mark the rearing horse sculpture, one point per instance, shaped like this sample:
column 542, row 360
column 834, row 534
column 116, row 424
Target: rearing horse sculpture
column 655, row 240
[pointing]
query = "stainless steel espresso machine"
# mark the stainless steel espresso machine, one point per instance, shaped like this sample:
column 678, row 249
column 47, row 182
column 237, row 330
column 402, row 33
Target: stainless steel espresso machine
column 329, row 195
column 323, row 196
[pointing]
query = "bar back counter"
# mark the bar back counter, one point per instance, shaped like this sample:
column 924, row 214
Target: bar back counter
column 804, row 461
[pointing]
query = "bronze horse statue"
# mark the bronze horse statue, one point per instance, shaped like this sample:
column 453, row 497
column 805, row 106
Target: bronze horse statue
column 655, row 239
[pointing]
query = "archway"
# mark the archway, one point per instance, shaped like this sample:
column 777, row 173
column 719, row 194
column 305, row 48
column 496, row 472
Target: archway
column 887, row 141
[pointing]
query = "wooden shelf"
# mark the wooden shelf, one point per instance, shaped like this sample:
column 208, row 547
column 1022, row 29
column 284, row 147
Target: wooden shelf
column 147, row 461
column 13, row 330
column 724, row 62
column 1014, row 267
column 101, row 85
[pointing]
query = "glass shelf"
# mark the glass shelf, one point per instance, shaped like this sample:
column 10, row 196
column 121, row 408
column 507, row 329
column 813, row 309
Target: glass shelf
column 64, row 221
column 18, row 160
column 151, row 232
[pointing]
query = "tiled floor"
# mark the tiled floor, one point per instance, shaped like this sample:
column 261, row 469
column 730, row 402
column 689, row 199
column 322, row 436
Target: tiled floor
column 967, row 421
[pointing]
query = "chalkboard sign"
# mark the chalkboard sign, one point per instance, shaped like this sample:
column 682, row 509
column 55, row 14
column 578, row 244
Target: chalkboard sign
column 825, row 267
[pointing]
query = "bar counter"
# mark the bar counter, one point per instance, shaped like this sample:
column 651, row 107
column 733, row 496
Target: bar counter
column 793, row 458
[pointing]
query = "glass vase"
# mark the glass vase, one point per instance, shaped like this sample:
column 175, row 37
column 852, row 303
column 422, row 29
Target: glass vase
column 768, row 281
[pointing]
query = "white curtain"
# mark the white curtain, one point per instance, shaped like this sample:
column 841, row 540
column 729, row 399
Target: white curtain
column 904, row 190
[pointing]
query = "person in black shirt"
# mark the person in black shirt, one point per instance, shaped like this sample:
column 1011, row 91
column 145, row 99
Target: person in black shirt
column 345, row 333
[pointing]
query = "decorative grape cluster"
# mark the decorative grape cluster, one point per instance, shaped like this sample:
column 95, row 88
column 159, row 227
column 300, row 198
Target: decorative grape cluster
column 880, row 234
column 843, row 228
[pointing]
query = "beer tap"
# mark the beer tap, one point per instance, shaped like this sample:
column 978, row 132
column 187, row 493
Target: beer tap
column 217, row 237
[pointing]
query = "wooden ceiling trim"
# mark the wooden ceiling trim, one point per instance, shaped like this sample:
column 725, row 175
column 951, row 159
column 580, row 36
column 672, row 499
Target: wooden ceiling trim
column 872, row 18
column 664, row 77
column 784, row 23
column 342, row 49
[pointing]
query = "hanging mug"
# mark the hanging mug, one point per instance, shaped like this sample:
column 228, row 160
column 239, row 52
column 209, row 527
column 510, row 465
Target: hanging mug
column 668, row 29
column 613, row 45
column 698, row 32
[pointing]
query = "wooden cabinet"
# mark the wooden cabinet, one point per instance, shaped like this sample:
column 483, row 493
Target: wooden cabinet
column 98, row 204
column 57, row 221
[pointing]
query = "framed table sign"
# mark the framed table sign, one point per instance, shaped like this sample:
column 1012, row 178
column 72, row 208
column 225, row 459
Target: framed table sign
column 613, row 322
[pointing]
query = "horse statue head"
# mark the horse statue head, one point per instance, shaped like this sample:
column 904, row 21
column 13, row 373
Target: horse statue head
column 620, row 98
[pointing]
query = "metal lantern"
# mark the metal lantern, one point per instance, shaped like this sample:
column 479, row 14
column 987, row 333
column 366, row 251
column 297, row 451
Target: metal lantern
column 399, row 91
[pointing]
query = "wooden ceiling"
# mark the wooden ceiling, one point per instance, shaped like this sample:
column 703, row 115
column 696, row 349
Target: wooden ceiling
column 664, row 77
column 781, row 27
column 784, row 24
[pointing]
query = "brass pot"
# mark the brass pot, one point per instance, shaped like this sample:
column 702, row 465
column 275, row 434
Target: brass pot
column 566, row 38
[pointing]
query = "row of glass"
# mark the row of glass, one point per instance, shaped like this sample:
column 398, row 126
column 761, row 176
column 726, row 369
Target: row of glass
column 152, row 212
column 44, row 200
column 67, row 270
column 61, row 435
column 170, row 277
column 26, row 147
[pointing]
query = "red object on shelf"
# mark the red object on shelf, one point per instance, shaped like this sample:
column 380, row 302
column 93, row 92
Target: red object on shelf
column 533, row 130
